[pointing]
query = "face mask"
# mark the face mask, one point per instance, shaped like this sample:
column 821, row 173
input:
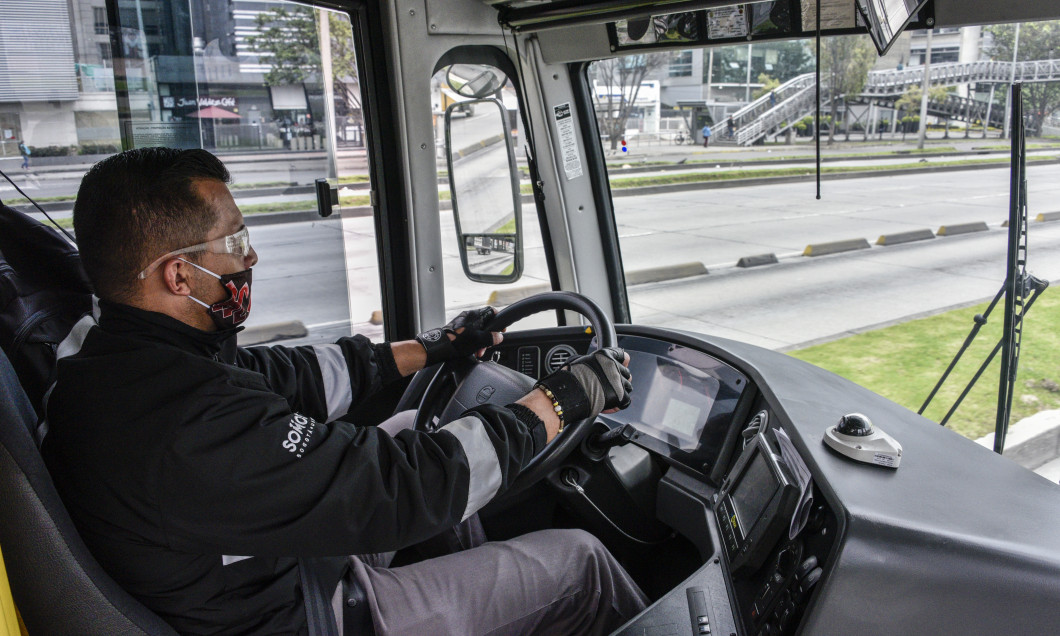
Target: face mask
column 233, row 310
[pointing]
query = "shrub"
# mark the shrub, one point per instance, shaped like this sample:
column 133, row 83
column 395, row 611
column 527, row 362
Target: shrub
column 53, row 151
column 98, row 149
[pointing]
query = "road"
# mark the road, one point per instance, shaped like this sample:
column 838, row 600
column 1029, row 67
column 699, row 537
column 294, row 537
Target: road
column 800, row 300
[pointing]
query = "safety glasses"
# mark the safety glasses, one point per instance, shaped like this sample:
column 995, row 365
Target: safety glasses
column 238, row 244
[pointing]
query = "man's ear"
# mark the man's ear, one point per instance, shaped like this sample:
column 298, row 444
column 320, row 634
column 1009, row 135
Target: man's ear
column 176, row 276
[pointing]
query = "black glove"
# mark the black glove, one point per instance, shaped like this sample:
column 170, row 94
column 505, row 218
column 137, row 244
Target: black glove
column 474, row 336
column 591, row 384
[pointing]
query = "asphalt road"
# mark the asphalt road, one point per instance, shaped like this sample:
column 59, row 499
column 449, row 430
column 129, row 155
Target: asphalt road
column 304, row 266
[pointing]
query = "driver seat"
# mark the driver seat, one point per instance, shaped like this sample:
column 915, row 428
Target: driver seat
column 56, row 583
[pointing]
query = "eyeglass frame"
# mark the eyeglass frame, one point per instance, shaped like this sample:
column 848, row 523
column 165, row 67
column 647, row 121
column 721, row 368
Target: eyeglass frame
column 235, row 243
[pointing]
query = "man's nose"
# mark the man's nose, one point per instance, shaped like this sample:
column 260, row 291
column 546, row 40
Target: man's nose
column 250, row 259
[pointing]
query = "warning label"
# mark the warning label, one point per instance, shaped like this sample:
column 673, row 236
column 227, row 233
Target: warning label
column 568, row 141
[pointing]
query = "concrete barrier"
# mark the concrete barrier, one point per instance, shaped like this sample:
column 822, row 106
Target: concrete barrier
column 835, row 247
column 905, row 237
column 275, row 331
column 756, row 260
column 1048, row 216
column 963, row 228
column 509, row 295
column 666, row 272
column 1031, row 442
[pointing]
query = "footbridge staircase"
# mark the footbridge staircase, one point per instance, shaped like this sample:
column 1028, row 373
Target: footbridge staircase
column 795, row 99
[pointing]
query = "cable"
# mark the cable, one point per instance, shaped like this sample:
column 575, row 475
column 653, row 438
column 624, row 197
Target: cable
column 48, row 216
column 569, row 479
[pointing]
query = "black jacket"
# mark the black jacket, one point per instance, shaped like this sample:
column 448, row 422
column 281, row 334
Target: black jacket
column 197, row 472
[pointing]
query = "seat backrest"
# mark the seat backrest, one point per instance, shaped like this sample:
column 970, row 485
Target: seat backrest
column 57, row 584
column 44, row 290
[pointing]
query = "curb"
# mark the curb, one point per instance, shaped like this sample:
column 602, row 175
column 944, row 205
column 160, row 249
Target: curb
column 508, row 296
column 808, row 177
column 273, row 218
column 503, row 297
column 905, row 237
column 810, row 158
column 275, row 331
column 963, row 228
column 835, row 247
column 1031, row 442
column 666, row 272
column 1048, row 216
column 757, row 259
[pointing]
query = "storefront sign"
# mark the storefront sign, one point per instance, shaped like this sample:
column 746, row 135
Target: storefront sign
column 169, row 101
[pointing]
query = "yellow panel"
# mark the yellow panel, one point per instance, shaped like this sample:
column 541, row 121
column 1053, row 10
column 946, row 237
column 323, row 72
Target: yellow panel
column 9, row 620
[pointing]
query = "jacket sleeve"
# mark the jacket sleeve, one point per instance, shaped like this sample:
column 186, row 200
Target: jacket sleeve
column 248, row 476
column 323, row 381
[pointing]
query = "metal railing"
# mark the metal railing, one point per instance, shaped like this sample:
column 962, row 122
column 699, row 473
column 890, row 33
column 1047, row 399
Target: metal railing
column 988, row 71
column 795, row 98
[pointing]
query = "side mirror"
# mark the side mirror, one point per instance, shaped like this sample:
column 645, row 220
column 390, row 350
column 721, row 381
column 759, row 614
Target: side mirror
column 484, row 189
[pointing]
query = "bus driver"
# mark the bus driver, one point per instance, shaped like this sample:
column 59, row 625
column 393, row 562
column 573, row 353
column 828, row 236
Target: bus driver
column 198, row 473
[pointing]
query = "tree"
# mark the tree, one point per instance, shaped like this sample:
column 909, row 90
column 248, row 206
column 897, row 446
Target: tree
column 768, row 83
column 1038, row 41
column 845, row 61
column 289, row 39
column 910, row 100
column 617, row 85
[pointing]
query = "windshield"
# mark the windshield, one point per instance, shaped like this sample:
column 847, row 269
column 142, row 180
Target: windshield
column 710, row 154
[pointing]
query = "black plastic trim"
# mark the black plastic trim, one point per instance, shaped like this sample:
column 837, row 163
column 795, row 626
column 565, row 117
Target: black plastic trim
column 386, row 171
column 598, row 180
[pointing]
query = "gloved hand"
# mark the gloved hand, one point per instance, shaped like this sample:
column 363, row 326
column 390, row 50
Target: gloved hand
column 590, row 385
column 463, row 336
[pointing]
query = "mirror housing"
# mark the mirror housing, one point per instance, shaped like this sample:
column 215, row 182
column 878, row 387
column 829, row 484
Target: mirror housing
column 484, row 190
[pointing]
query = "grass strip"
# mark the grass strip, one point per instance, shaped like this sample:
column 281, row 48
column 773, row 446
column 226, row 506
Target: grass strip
column 903, row 362
column 697, row 177
column 23, row 201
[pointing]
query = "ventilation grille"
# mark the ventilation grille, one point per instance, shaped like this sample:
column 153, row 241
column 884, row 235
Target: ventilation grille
column 757, row 423
column 558, row 356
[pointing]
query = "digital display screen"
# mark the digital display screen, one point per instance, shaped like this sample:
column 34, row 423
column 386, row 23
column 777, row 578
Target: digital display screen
column 678, row 400
column 752, row 493
column 682, row 417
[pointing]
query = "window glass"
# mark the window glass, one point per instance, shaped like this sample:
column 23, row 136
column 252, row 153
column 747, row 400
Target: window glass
column 269, row 87
column 727, row 237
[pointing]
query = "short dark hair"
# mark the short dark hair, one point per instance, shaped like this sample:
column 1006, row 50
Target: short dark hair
column 137, row 205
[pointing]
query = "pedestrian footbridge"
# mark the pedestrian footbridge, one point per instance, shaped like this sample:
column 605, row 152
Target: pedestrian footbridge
column 795, row 99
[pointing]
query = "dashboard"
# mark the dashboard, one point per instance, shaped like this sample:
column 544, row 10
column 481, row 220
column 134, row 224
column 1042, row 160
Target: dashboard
column 723, row 449
column 725, row 482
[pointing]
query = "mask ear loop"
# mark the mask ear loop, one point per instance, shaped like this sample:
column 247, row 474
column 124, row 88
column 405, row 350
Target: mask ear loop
column 205, row 270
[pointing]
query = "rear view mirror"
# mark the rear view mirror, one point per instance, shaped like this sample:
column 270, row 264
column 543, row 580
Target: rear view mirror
column 484, row 188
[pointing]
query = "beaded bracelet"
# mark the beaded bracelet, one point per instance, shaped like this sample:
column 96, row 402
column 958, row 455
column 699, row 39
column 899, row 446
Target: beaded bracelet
column 555, row 404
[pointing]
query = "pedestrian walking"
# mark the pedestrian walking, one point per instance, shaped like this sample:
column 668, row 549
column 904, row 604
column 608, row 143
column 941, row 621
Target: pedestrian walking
column 772, row 99
column 706, row 135
column 24, row 150
column 732, row 128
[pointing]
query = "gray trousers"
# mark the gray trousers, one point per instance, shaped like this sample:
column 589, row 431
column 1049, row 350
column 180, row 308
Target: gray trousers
column 548, row 582
column 554, row 582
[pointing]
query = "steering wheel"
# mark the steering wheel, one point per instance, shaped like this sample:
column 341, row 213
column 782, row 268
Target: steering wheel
column 473, row 383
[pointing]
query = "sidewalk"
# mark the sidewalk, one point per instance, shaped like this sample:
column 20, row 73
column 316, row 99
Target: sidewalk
column 79, row 164
column 667, row 152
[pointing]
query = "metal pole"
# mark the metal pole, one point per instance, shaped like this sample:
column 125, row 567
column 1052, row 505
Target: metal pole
column 989, row 106
column 1011, row 81
column 747, row 94
column 925, row 85
column 710, row 74
column 329, row 92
